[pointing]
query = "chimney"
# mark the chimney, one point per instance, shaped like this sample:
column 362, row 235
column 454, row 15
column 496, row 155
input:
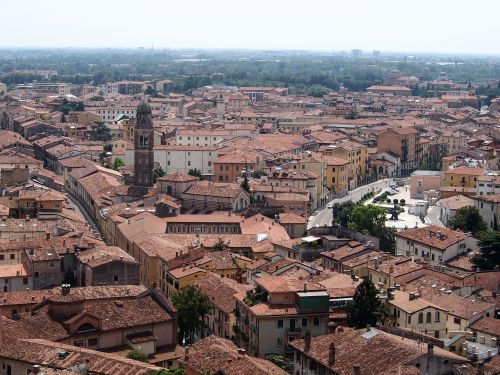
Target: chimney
column 391, row 269
column 376, row 263
column 331, row 355
column 480, row 368
column 307, row 341
column 356, row 370
column 430, row 349
column 186, row 353
column 241, row 351
column 35, row 369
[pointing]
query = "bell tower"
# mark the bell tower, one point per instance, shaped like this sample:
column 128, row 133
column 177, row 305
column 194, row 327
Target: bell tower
column 143, row 147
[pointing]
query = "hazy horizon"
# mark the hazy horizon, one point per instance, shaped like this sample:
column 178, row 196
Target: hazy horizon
column 431, row 27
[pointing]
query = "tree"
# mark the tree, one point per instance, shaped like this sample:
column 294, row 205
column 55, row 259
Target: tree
column 220, row 245
column 191, row 305
column 196, row 173
column 259, row 173
column 365, row 307
column 278, row 359
column 79, row 107
column 137, row 355
column 158, row 172
column 97, row 98
column 468, row 219
column 489, row 256
column 342, row 213
column 99, row 132
column 369, row 219
column 118, row 163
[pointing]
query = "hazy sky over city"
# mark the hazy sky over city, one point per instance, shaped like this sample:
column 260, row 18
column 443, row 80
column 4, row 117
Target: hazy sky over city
column 387, row 25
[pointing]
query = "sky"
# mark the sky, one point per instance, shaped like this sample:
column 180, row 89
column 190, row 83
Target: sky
column 450, row 26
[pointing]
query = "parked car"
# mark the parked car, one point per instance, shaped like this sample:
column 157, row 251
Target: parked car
column 329, row 205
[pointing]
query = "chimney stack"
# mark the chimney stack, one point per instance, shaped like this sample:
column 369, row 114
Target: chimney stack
column 331, row 355
column 430, row 349
column 480, row 368
column 35, row 369
column 307, row 341
column 356, row 370
column 186, row 353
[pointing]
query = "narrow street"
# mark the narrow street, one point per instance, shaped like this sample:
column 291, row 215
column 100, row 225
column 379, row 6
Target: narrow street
column 79, row 208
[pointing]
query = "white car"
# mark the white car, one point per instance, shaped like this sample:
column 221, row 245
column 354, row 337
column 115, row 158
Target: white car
column 329, row 205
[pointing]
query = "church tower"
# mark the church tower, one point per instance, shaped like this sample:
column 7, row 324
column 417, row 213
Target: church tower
column 143, row 147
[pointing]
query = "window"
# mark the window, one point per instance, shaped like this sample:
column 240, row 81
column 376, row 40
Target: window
column 78, row 343
column 428, row 318
column 12, row 256
column 280, row 323
column 93, row 341
column 456, row 320
column 279, row 341
column 304, row 322
column 2, row 257
column 115, row 278
column 51, row 264
column 25, row 281
column 316, row 321
column 189, row 163
column 420, row 317
column 437, row 317
column 37, row 274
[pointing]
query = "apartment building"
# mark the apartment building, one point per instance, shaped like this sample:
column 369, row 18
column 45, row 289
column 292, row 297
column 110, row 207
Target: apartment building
column 488, row 184
column 489, row 208
column 410, row 311
column 357, row 156
column 403, row 143
column 212, row 138
column 433, row 244
column 279, row 310
column 231, row 166
column 465, row 177
column 181, row 159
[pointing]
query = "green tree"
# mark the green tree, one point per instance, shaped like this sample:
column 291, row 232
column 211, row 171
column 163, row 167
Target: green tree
column 79, row 107
column 342, row 213
column 365, row 307
column 137, row 355
column 368, row 219
column 220, row 245
column 278, row 359
column 196, row 173
column 118, row 163
column 259, row 173
column 99, row 132
column 97, row 98
column 468, row 219
column 191, row 305
column 158, row 172
column 489, row 256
